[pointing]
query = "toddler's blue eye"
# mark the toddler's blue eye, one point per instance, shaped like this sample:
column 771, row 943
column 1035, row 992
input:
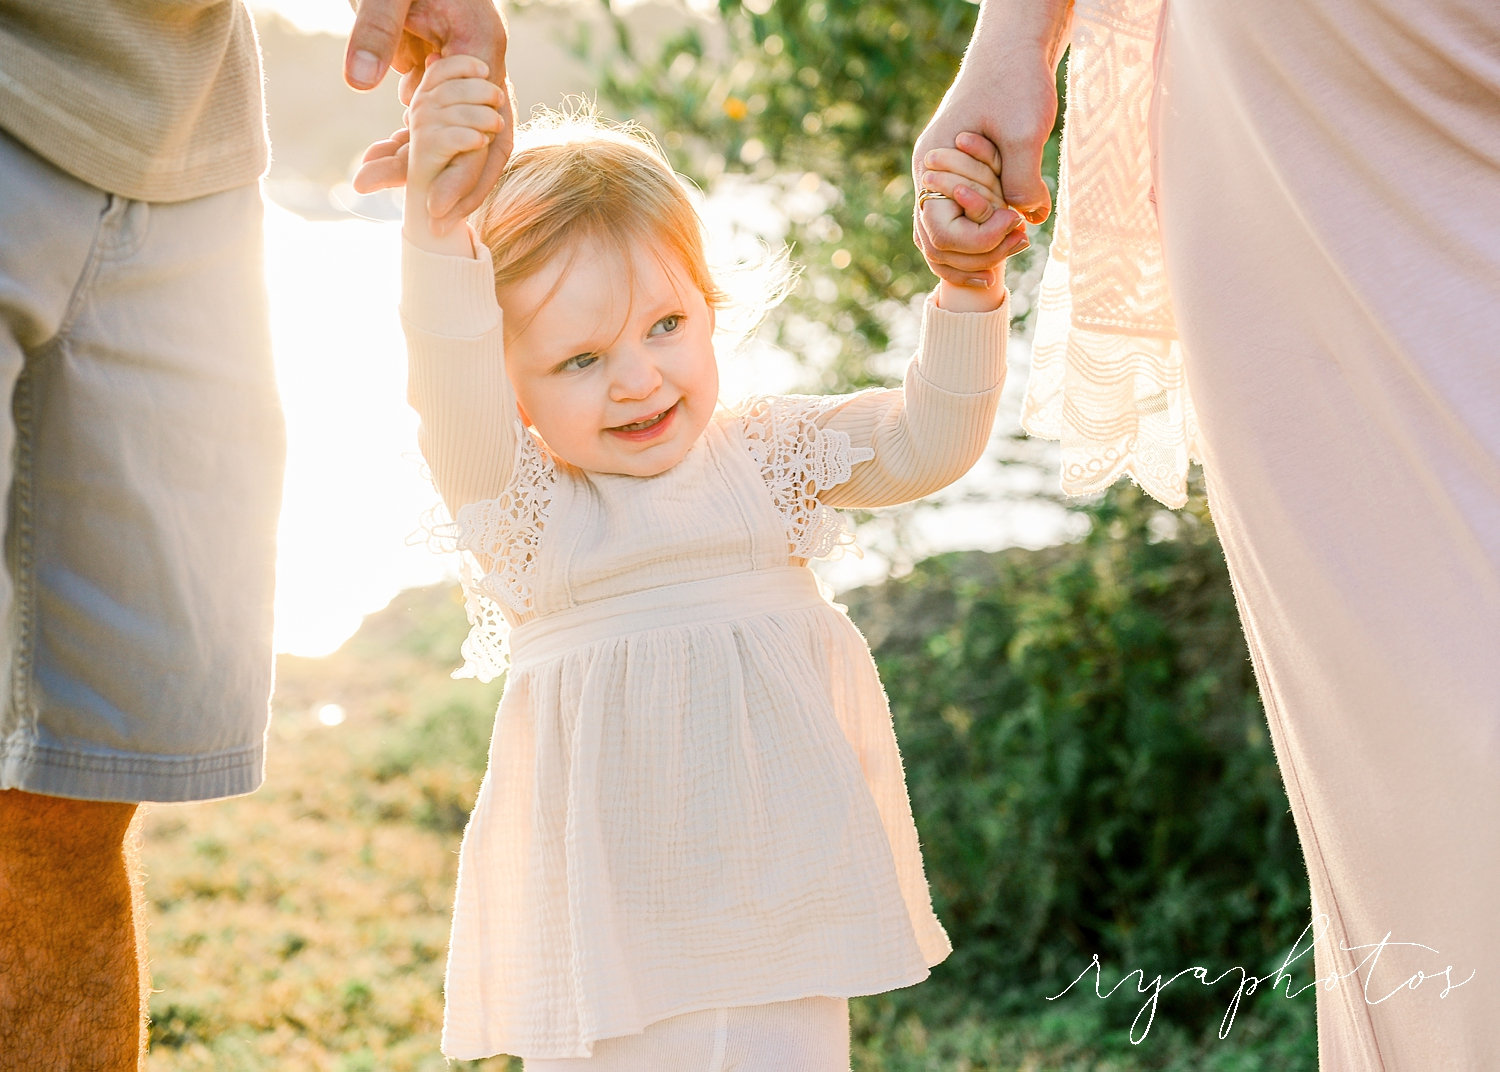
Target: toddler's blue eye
column 577, row 361
column 667, row 324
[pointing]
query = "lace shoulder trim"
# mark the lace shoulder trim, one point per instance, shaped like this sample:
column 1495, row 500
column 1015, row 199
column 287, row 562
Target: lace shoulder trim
column 499, row 539
column 799, row 460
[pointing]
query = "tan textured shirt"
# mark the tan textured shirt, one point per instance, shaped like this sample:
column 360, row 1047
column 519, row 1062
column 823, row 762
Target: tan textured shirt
column 153, row 100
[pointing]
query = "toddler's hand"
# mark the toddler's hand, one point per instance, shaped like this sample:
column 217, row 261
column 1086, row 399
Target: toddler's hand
column 970, row 225
column 453, row 111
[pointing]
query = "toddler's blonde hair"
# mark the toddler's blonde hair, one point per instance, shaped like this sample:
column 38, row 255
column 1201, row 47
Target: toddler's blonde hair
column 574, row 176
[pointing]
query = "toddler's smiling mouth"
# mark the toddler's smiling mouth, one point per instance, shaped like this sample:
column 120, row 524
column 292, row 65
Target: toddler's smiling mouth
column 637, row 427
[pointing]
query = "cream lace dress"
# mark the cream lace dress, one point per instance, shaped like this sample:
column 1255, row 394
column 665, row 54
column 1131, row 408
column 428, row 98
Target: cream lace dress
column 695, row 797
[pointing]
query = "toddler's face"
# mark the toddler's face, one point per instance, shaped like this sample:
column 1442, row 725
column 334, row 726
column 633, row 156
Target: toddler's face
column 612, row 358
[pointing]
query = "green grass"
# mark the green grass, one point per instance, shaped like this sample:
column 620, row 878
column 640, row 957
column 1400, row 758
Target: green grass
column 305, row 926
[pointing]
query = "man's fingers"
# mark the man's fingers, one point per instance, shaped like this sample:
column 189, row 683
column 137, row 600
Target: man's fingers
column 484, row 35
column 473, row 28
column 450, row 29
column 406, row 89
column 411, row 54
column 381, row 173
column 373, row 41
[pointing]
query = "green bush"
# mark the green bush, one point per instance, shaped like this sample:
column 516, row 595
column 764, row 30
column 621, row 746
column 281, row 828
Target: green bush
column 1089, row 765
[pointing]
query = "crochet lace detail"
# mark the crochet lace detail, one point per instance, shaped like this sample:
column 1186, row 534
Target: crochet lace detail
column 1107, row 377
column 506, row 533
column 799, row 460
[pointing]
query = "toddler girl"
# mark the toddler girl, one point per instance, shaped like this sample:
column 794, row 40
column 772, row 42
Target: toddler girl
column 693, row 843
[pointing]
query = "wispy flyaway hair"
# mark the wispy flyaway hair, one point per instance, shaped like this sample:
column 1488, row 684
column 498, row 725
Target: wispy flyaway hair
column 574, row 177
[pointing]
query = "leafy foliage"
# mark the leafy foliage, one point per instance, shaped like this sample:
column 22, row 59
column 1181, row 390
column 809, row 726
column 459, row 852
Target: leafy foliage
column 824, row 99
column 1089, row 763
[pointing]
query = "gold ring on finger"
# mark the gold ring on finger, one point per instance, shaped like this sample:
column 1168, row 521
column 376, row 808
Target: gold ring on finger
column 924, row 196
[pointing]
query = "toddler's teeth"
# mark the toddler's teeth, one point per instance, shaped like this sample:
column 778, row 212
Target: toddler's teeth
column 636, row 426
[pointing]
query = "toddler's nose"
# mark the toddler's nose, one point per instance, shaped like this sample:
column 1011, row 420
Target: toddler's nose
column 635, row 376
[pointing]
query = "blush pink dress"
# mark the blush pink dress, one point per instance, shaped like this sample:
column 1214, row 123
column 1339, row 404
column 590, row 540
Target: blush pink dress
column 1280, row 253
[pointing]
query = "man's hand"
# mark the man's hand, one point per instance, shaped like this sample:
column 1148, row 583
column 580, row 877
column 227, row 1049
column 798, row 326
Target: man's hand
column 403, row 34
column 454, row 112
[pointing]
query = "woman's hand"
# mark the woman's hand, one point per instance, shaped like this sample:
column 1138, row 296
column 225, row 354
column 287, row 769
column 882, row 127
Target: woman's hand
column 1005, row 92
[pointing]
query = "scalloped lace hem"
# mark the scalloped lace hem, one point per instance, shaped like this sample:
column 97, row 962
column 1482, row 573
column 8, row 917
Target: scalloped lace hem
column 1107, row 378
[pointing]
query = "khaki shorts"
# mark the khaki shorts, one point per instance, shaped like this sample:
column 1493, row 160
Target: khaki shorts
column 143, row 462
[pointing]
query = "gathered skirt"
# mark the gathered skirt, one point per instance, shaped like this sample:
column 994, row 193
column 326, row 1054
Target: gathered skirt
column 694, row 800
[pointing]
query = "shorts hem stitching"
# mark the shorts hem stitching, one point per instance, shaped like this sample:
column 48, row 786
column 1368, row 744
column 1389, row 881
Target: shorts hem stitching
column 164, row 779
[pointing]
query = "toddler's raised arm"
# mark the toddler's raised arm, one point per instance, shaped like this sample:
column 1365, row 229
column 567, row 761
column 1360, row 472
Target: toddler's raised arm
column 454, row 336
column 930, row 431
column 456, row 378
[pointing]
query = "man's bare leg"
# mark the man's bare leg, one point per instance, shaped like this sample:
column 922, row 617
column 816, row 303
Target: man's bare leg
column 71, row 982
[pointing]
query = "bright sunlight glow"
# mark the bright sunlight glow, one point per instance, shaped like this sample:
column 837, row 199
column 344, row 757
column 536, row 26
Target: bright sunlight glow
column 356, row 492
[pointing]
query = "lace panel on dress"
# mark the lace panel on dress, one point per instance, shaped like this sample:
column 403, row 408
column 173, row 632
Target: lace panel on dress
column 1107, row 378
column 799, row 460
column 499, row 539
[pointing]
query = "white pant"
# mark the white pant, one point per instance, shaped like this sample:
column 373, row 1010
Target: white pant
column 809, row 1035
